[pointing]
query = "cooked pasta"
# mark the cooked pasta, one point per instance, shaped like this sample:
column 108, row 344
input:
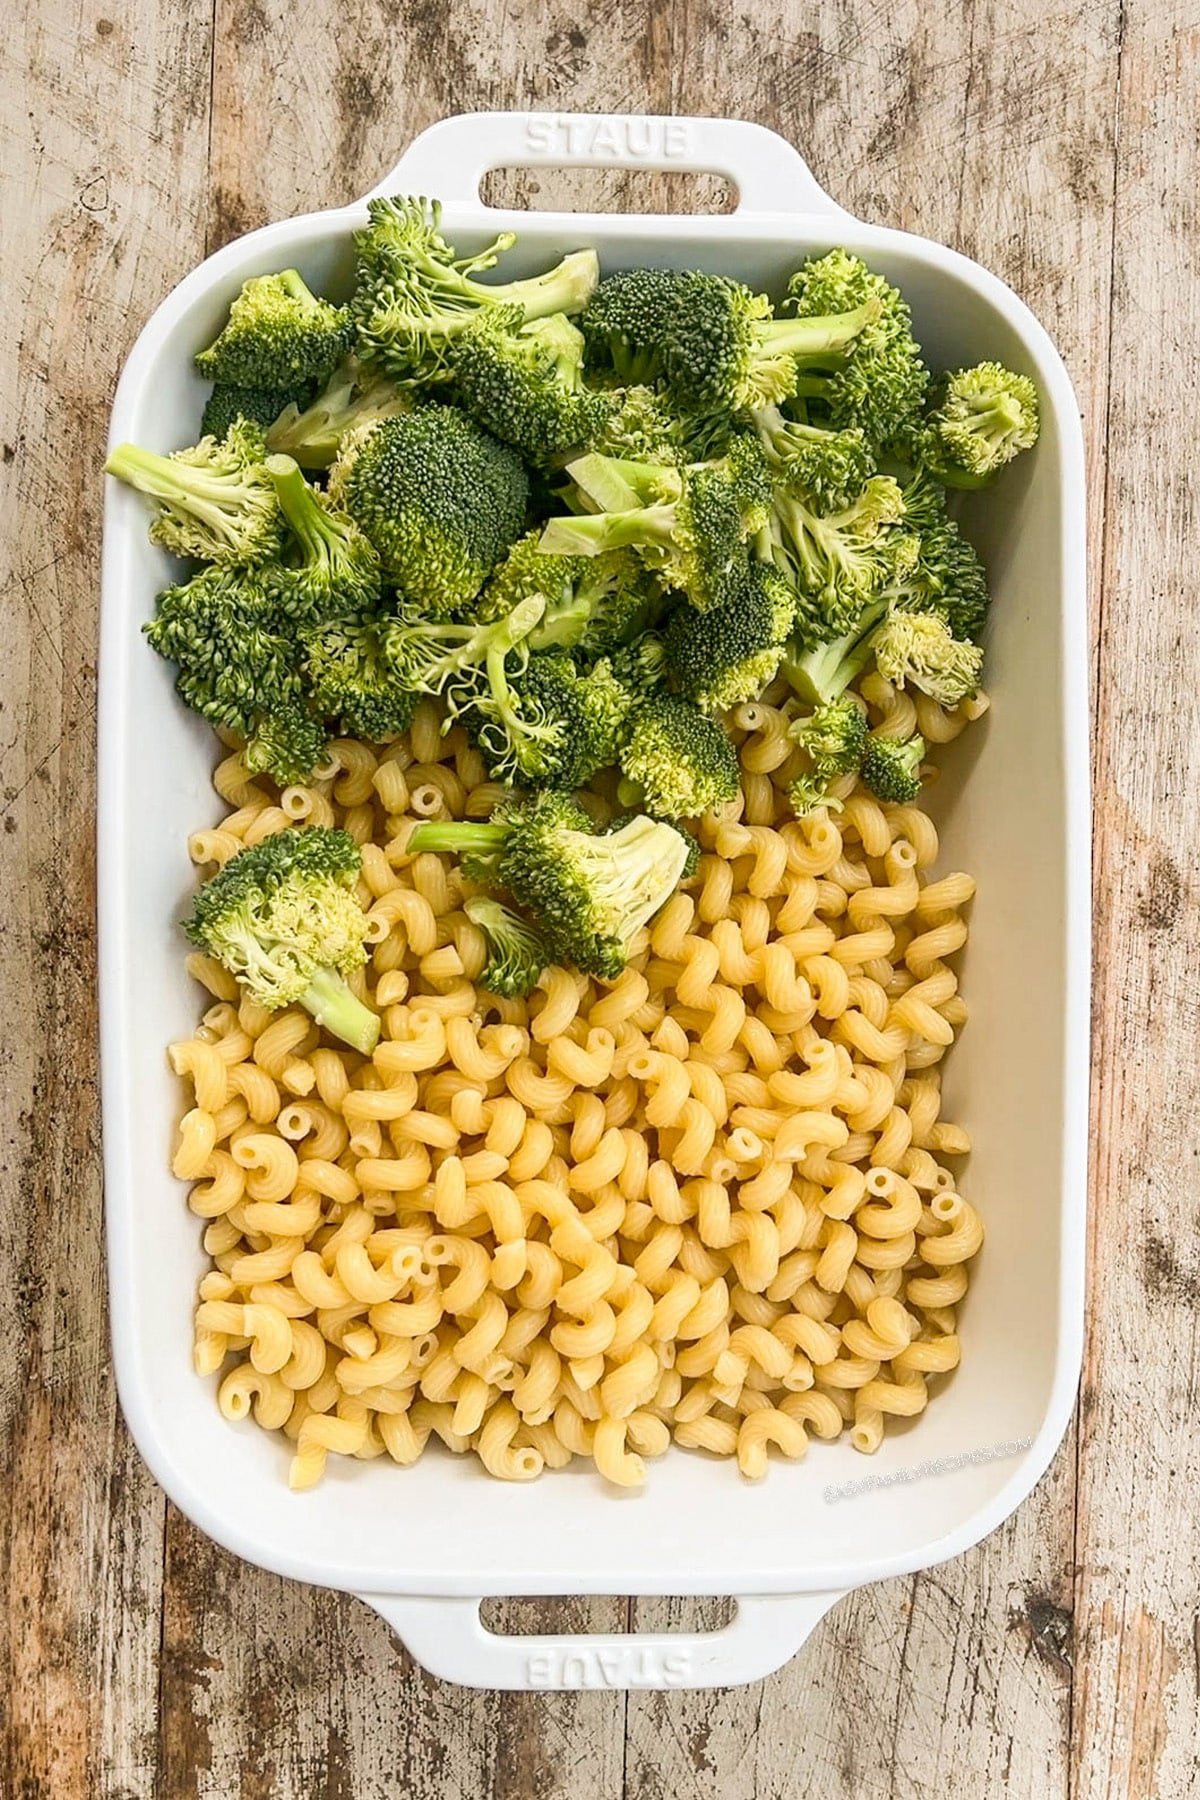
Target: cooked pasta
column 705, row 1202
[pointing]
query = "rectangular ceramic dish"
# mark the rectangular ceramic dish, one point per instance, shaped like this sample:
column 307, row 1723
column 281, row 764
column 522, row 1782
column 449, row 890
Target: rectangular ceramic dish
column 423, row 1545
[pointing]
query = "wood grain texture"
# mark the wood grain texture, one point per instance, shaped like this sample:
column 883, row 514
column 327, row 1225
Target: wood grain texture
column 1056, row 144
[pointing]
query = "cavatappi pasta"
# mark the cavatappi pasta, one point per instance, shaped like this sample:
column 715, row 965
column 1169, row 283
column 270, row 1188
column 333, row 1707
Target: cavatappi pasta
column 706, row 1202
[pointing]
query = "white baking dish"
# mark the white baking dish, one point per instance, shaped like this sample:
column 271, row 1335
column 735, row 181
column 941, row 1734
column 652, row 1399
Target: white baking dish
column 424, row 1544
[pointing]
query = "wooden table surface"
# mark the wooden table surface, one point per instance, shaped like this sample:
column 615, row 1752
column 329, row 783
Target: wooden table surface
column 1054, row 140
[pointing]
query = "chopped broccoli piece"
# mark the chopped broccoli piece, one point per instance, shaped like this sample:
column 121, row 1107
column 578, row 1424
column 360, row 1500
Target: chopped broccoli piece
column 439, row 498
column 943, row 573
column 984, row 417
column 838, row 560
column 641, row 427
column 311, row 430
column 216, row 501
column 351, row 682
column 724, row 351
column 588, row 893
column 834, row 737
column 414, row 295
column 831, row 467
column 283, row 917
column 258, row 406
column 891, row 768
column 237, row 668
column 336, row 572
column 877, row 382
column 517, row 953
column 677, row 761
column 278, row 334
column 917, row 649
column 690, row 524
column 625, row 323
column 593, row 604
column 525, row 382
column 641, row 666
column 729, row 654
column 557, row 726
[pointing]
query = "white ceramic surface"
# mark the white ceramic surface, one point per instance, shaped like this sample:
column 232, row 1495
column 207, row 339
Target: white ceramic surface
column 422, row 1545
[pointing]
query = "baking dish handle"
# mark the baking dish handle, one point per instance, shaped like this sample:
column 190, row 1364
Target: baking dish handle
column 451, row 158
column 448, row 1637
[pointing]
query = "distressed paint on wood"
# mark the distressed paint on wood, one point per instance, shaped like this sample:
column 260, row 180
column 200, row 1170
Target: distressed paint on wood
column 1054, row 143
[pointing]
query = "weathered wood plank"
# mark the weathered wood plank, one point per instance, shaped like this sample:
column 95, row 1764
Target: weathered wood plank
column 105, row 126
column 1137, row 1618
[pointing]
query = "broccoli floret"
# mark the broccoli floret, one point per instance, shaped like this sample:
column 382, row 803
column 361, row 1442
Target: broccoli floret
column 709, row 339
column 690, row 524
column 593, row 604
column 838, row 560
column 677, row 761
column 336, row 570
column 215, row 501
column 625, row 323
column 258, row 406
column 439, row 498
column 878, row 381
column 525, row 382
column 725, row 352
column 834, row 738
column 942, row 573
column 414, row 295
column 283, row 917
column 916, row 649
column 890, row 767
column 641, row 426
column 588, row 893
column 278, row 334
column 722, row 657
column 557, row 725
column 517, row 953
column 351, row 681
column 311, row 430
column 984, row 417
column 238, row 669
column 831, row 467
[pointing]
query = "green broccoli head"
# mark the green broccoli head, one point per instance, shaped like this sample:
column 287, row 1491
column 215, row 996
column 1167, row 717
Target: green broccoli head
column 333, row 570
column 440, row 499
column 942, row 573
column 525, row 382
column 238, row 669
column 283, row 917
column 877, row 381
column 351, row 682
column 834, row 738
column 278, row 334
column 626, row 321
column 517, row 953
column 259, row 406
column 839, row 560
column 414, row 295
column 641, row 427
column 720, row 658
column 559, row 724
column 641, row 666
column 593, row 604
column 917, row 650
column 984, row 417
column 890, row 767
column 312, row 428
column 589, row 894
column 689, row 524
column 677, row 760
column 215, row 502
column 830, row 467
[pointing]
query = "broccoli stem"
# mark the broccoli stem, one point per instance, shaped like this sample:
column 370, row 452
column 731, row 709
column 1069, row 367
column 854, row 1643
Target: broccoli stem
column 591, row 534
column 341, row 1012
column 455, row 837
column 819, row 338
column 300, row 507
column 820, row 675
column 564, row 289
